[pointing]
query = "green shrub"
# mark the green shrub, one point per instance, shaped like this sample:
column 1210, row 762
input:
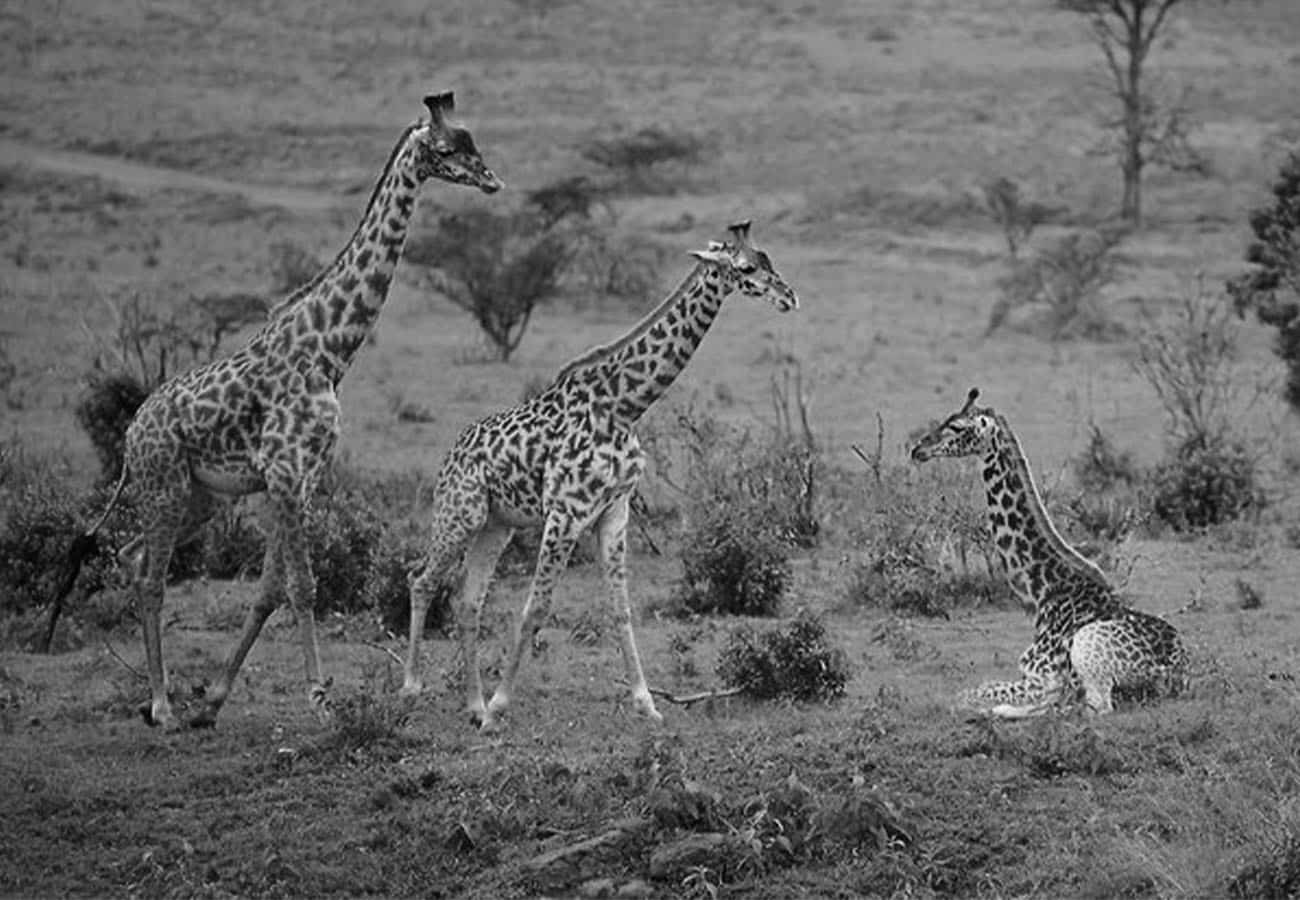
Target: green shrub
column 795, row 663
column 735, row 563
column 1272, row 289
column 104, row 411
column 922, row 544
column 39, row 518
column 1206, row 484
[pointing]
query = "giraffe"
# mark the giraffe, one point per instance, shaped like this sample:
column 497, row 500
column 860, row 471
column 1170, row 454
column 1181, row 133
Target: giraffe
column 569, row 459
column 266, row 418
column 1084, row 633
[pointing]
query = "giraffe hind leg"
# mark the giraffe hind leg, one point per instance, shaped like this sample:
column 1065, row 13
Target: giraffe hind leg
column 611, row 535
column 162, row 505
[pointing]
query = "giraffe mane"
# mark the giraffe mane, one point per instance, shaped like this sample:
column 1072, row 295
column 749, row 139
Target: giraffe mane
column 302, row 290
column 604, row 351
column 1037, row 509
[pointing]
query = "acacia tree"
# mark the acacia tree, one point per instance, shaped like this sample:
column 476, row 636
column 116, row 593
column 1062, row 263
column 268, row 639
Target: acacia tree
column 1145, row 133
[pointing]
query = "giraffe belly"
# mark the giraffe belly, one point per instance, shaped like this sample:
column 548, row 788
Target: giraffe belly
column 237, row 480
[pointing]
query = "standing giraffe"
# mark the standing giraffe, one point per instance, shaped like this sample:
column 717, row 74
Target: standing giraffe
column 568, row 459
column 266, row 418
column 1084, row 634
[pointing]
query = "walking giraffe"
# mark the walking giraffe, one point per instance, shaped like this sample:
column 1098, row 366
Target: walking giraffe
column 266, row 418
column 568, row 459
column 1084, row 634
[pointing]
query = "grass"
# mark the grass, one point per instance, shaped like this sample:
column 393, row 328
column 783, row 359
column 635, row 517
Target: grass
column 857, row 139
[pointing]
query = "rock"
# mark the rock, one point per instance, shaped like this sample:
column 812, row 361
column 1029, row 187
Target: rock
column 635, row 888
column 597, row 887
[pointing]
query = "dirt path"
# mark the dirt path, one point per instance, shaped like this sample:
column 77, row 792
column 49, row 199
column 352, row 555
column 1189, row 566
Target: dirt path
column 142, row 177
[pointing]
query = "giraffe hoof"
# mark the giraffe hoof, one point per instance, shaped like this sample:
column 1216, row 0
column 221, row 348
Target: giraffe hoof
column 205, row 719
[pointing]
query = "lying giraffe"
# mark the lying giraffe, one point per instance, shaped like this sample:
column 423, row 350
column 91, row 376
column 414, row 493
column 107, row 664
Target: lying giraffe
column 568, row 459
column 1084, row 634
column 266, row 418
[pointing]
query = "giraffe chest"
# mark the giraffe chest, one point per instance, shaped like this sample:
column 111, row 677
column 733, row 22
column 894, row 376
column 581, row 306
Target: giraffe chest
column 534, row 465
column 229, row 423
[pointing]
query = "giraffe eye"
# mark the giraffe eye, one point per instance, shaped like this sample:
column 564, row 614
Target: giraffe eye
column 747, row 268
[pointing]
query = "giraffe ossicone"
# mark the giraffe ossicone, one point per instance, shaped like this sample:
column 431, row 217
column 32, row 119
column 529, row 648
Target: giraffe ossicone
column 568, row 459
column 266, row 417
column 1085, row 635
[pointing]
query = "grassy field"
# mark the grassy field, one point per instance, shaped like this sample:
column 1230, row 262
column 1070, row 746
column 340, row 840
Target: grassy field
column 159, row 150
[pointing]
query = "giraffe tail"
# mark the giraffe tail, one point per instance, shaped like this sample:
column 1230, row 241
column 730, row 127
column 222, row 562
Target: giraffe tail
column 82, row 548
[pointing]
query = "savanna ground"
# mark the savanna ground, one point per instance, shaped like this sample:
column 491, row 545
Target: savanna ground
column 159, row 150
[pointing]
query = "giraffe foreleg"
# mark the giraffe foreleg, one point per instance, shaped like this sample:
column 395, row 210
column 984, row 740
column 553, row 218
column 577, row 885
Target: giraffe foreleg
column 289, row 537
column 559, row 534
column 611, row 535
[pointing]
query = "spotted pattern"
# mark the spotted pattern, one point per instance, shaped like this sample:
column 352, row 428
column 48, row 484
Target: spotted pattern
column 568, row 459
column 266, row 418
column 1085, row 637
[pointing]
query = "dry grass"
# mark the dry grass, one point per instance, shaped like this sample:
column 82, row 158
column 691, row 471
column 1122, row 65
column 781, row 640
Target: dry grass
column 857, row 137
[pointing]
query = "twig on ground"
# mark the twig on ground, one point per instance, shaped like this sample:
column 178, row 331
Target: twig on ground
column 688, row 699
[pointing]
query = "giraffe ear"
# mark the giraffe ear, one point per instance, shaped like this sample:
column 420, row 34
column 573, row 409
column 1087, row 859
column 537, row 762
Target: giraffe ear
column 439, row 105
column 715, row 254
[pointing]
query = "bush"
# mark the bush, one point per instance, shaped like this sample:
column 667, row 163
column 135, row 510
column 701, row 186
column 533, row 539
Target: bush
column 750, row 500
column 794, row 663
column 923, row 545
column 1273, row 289
column 1101, row 466
column 1208, row 476
column 104, row 411
column 1016, row 216
column 1206, row 484
column 634, row 160
column 39, row 518
column 1066, row 277
column 734, row 561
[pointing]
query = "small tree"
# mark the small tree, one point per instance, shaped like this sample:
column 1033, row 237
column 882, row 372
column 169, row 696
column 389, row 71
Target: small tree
column 1016, row 216
column 495, row 266
column 1272, row 289
column 1146, row 133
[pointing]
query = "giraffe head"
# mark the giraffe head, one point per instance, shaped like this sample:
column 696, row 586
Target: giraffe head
column 747, row 269
column 446, row 151
column 968, row 432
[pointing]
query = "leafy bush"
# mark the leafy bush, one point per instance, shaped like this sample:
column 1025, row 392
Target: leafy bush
column 795, row 663
column 1208, row 476
column 1102, row 466
column 634, row 160
column 1016, row 216
column 923, row 547
column 1206, row 484
column 1066, row 277
column 1273, row 289
column 734, row 562
column 749, row 500
column 104, row 411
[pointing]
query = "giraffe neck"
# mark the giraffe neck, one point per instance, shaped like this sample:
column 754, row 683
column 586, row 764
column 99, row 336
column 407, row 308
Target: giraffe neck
column 639, row 367
column 328, row 319
column 1032, row 550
